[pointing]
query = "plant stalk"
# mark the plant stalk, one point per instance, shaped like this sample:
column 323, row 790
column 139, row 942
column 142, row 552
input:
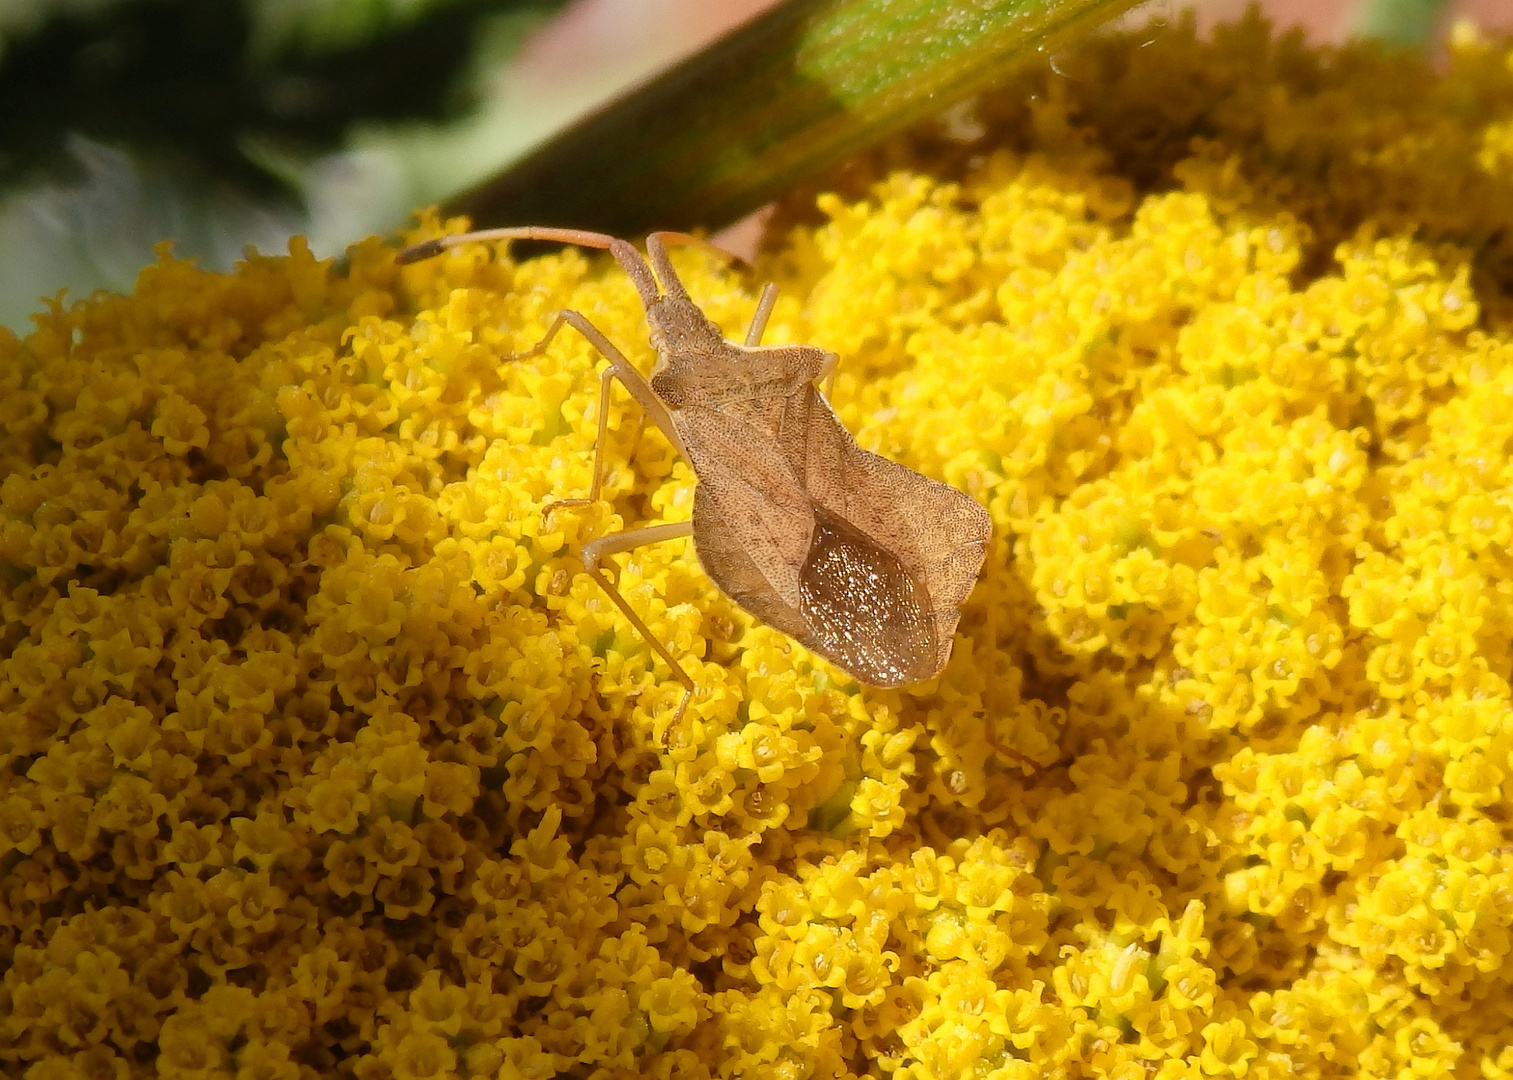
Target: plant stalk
column 789, row 93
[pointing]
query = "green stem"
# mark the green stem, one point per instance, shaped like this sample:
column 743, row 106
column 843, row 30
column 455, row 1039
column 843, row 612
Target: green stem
column 1399, row 22
column 790, row 93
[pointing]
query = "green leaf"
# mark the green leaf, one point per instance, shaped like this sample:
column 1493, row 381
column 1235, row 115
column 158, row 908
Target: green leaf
column 790, row 93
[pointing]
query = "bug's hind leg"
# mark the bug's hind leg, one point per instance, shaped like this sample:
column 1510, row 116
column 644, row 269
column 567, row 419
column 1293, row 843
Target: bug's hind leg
column 596, row 550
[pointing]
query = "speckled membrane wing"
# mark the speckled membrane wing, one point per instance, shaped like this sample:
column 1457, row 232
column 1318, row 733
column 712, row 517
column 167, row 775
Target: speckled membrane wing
column 906, row 548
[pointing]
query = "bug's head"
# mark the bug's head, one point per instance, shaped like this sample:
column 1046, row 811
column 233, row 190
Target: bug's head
column 679, row 328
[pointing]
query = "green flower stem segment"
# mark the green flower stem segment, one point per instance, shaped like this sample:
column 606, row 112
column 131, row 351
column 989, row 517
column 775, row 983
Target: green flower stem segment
column 791, row 92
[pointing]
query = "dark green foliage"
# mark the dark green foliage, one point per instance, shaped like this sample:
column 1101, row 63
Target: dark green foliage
column 185, row 80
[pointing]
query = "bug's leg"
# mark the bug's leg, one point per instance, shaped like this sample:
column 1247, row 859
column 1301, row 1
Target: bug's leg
column 629, row 377
column 764, row 307
column 619, row 368
column 597, row 482
column 597, row 549
column 537, row 349
column 1010, row 752
column 827, row 374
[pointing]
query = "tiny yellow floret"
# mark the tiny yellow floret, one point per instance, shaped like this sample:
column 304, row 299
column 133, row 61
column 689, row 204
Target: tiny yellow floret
column 320, row 756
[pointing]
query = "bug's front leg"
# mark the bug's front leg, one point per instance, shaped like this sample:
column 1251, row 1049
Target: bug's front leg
column 619, row 368
column 595, row 550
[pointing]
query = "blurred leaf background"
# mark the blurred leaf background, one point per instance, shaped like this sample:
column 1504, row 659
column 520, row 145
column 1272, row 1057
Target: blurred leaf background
column 220, row 124
column 226, row 123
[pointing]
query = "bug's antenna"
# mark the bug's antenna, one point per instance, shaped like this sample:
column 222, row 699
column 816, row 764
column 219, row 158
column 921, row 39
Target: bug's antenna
column 627, row 256
column 656, row 250
column 657, row 244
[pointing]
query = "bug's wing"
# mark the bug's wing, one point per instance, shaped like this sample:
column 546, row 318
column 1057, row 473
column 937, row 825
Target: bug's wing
column 751, row 517
column 945, row 532
column 862, row 560
column 935, row 536
column 867, row 611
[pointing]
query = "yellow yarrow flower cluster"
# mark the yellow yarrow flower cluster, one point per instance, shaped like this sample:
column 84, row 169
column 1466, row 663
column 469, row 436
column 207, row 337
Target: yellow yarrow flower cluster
column 320, row 756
